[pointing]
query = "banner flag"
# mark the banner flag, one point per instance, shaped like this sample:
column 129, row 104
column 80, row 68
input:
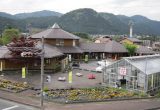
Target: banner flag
column 23, row 72
column 70, row 77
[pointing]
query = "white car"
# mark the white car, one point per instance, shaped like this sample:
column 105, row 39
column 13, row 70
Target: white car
column 103, row 63
column 79, row 74
column 99, row 69
column 61, row 78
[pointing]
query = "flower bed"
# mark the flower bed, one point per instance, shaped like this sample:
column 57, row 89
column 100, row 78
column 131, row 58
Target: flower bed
column 90, row 94
column 12, row 86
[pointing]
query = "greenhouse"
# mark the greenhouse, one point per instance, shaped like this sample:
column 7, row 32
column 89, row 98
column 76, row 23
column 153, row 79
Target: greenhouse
column 139, row 73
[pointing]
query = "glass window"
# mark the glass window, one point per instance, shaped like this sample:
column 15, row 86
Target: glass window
column 59, row 42
column 149, row 82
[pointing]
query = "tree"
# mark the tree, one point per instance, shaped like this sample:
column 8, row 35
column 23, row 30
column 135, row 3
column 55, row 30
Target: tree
column 17, row 46
column 131, row 48
column 1, row 42
column 9, row 34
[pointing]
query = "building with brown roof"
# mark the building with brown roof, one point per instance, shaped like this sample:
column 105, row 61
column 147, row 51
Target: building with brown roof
column 143, row 50
column 69, row 44
column 64, row 41
column 131, row 41
column 57, row 36
column 112, row 49
column 103, row 39
column 59, row 44
column 52, row 58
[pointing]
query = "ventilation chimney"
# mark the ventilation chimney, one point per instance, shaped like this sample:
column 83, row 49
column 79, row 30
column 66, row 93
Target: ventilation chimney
column 130, row 29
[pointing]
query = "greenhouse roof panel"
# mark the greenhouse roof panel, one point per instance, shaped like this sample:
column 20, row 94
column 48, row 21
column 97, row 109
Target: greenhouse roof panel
column 148, row 64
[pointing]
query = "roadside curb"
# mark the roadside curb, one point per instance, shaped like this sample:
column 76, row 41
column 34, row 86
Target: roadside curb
column 97, row 101
column 107, row 100
column 17, row 99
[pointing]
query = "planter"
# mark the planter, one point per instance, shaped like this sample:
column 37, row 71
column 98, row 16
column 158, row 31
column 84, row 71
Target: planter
column 90, row 95
column 14, row 87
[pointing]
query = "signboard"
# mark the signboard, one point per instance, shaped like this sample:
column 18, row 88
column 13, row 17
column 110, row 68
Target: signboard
column 123, row 71
column 23, row 72
column 70, row 58
column 48, row 78
column 70, row 77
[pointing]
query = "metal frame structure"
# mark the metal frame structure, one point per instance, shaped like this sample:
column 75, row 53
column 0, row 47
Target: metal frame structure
column 142, row 73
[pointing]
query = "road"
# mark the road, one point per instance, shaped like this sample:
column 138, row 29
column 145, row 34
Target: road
column 8, row 105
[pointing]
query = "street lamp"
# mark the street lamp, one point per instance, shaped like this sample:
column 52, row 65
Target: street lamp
column 104, row 73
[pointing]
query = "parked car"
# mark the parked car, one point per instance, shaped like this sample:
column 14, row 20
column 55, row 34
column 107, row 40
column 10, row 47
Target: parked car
column 103, row 63
column 79, row 74
column 61, row 78
column 91, row 76
column 75, row 65
column 99, row 69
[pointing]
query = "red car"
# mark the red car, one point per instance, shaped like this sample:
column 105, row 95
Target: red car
column 91, row 76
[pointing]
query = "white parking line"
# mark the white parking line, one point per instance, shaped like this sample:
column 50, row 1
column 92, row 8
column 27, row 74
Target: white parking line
column 9, row 108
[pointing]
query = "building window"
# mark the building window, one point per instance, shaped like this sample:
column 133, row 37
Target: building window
column 59, row 42
column 74, row 43
column 48, row 61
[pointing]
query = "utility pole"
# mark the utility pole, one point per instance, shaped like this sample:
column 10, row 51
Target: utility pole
column 104, row 72
column 42, row 74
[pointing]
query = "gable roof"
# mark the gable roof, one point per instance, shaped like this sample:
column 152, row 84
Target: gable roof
column 110, row 47
column 50, row 51
column 144, row 50
column 115, row 47
column 134, row 39
column 70, row 49
column 92, row 47
column 55, row 32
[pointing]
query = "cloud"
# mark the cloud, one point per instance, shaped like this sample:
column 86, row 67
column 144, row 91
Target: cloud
column 149, row 8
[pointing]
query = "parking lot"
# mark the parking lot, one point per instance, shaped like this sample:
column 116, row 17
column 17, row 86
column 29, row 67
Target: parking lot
column 78, row 82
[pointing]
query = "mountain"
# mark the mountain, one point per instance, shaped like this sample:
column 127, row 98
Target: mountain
column 7, row 22
column 83, row 20
column 44, row 13
column 3, row 14
column 120, row 26
column 41, row 22
column 142, row 25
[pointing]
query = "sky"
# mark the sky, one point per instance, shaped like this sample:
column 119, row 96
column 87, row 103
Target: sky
column 148, row 8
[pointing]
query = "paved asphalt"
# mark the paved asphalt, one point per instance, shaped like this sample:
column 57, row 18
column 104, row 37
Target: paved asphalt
column 8, row 105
